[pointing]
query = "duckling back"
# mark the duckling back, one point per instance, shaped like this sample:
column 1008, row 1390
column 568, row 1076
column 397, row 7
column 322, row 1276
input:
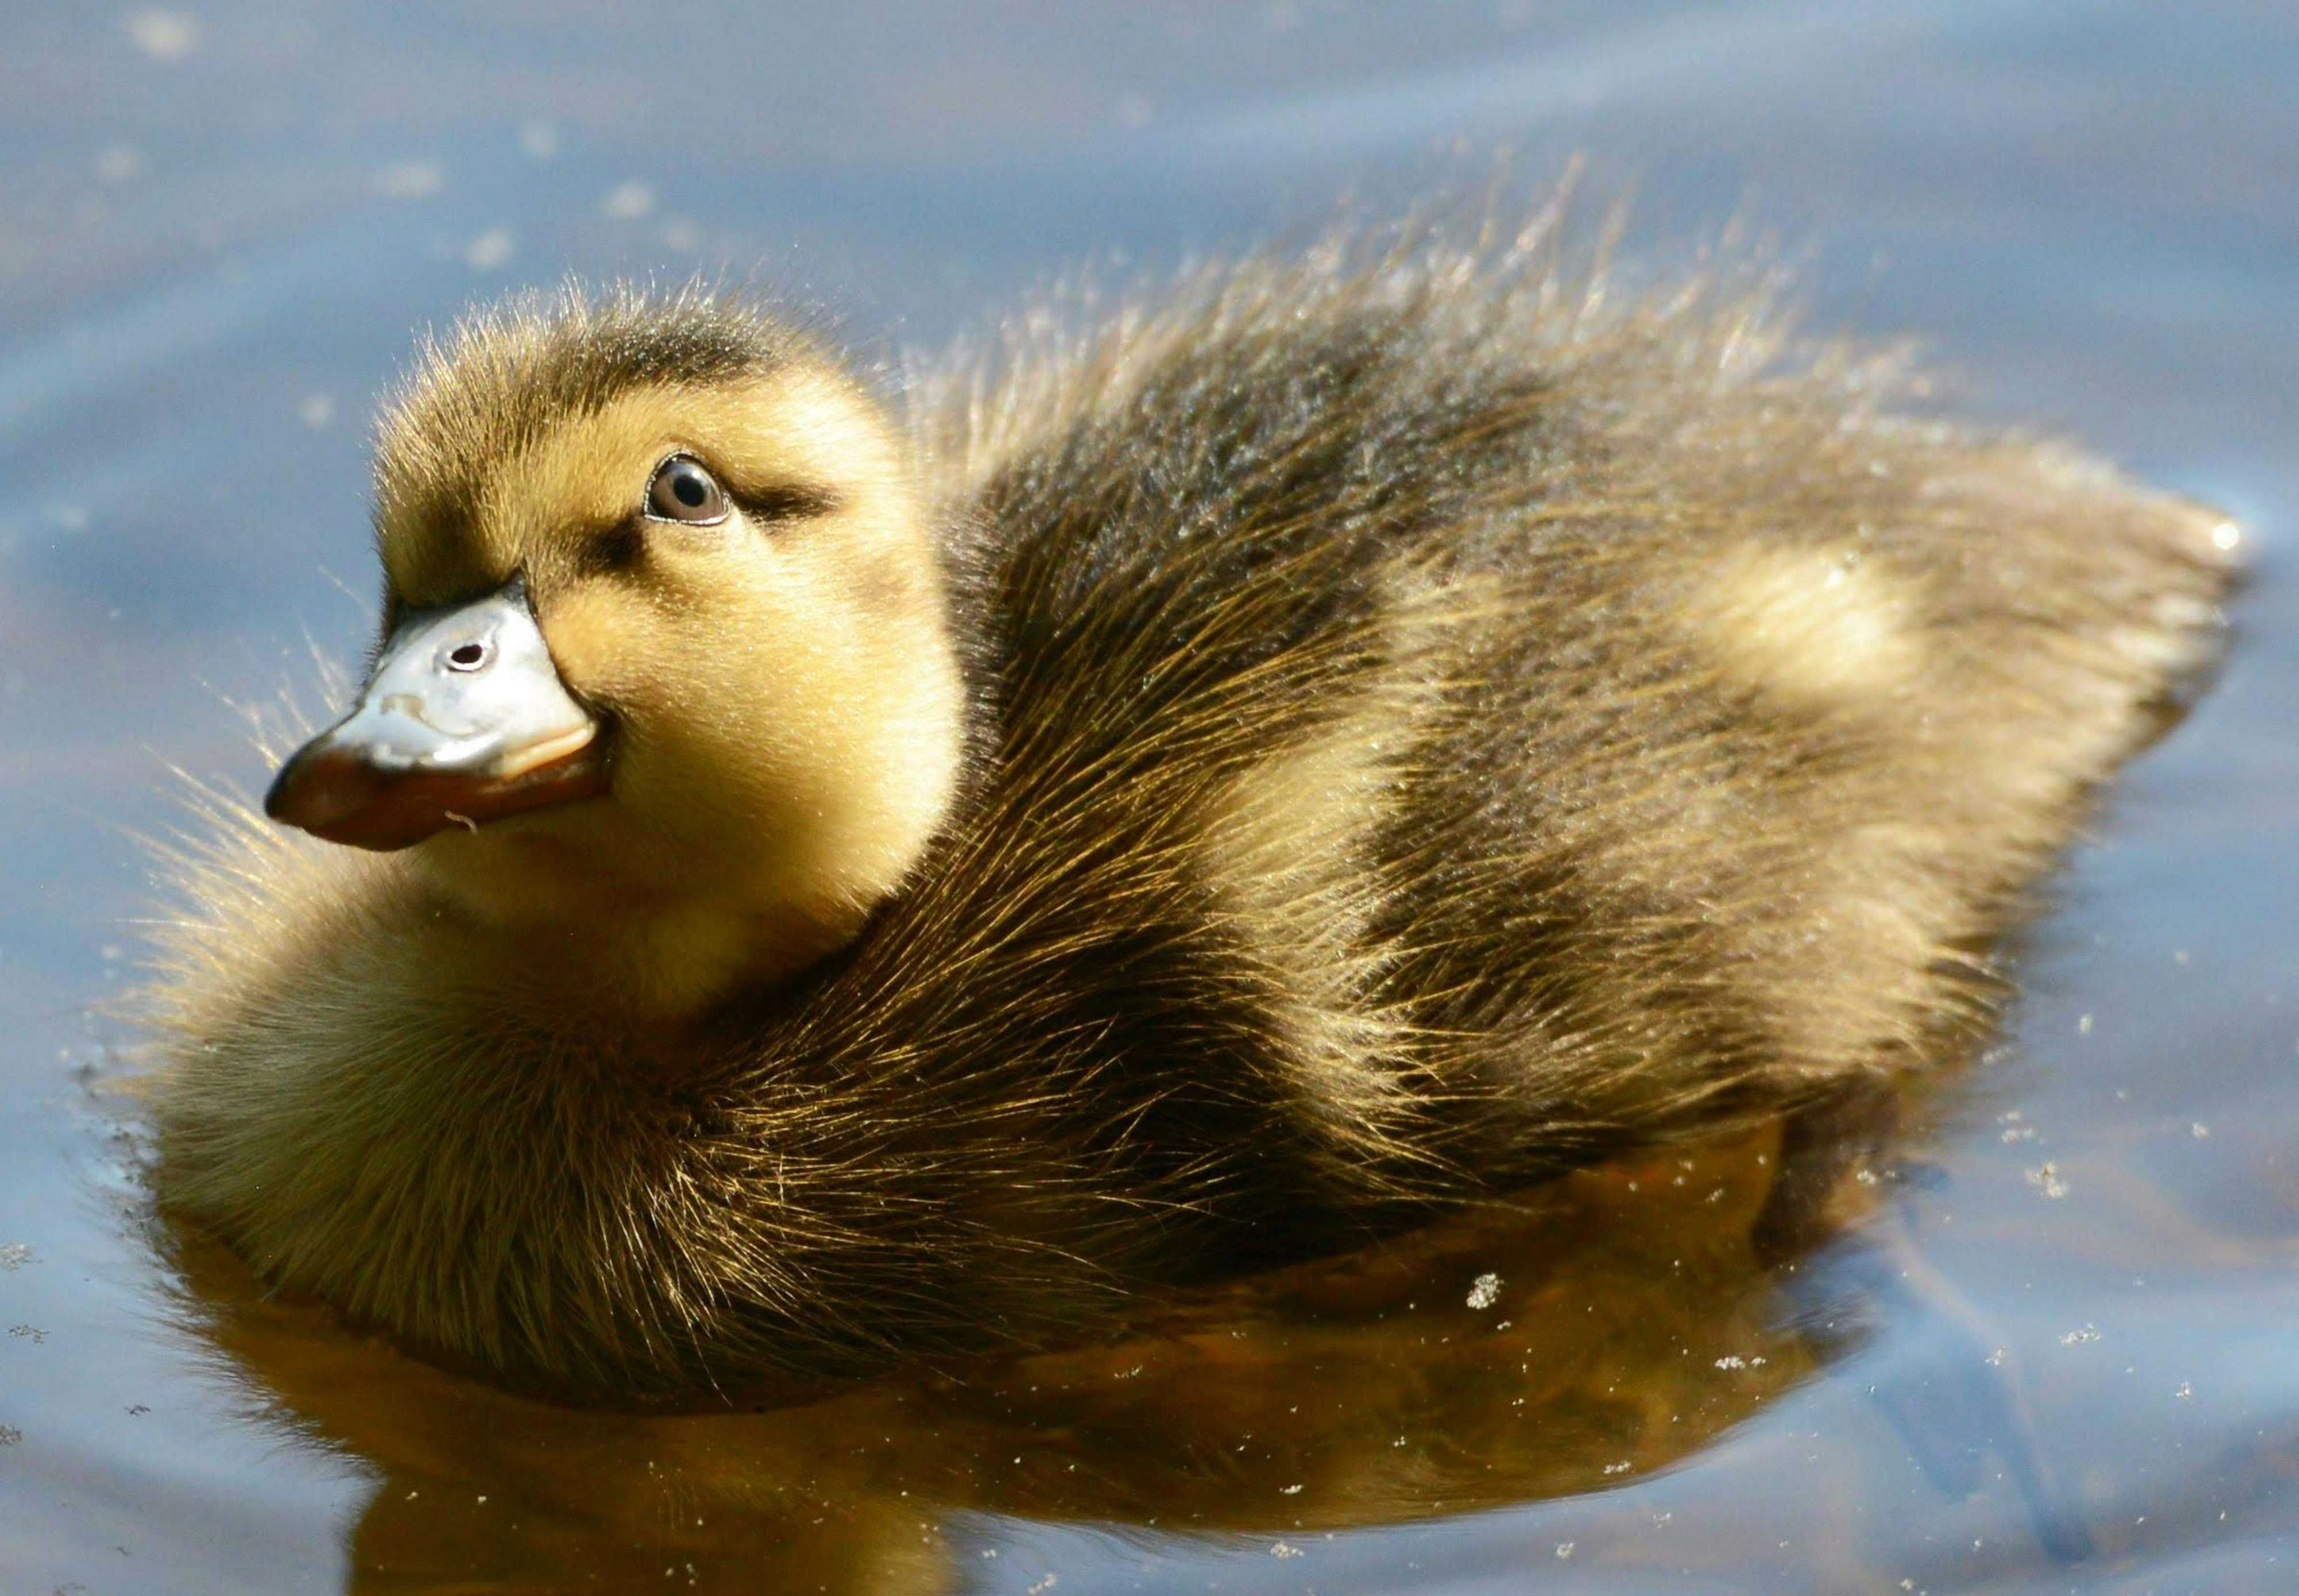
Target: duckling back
column 1556, row 729
column 1425, row 730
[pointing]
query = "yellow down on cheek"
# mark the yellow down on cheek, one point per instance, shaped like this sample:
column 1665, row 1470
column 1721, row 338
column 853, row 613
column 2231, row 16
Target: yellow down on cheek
column 736, row 683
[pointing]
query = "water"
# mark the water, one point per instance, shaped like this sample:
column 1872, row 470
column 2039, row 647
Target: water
column 222, row 225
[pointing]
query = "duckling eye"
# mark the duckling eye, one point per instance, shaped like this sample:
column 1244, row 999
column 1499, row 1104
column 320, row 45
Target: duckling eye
column 683, row 491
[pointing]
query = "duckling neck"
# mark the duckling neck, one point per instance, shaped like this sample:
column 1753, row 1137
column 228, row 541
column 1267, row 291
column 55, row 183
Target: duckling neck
column 676, row 962
column 667, row 962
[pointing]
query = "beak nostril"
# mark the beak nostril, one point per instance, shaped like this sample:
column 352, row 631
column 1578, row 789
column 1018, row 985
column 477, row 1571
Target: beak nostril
column 468, row 656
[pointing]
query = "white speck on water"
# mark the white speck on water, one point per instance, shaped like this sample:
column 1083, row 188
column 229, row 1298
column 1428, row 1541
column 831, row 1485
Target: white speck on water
column 163, row 35
column 2078, row 1337
column 1564, row 1549
column 2046, row 1178
column 9, row 1434
column 539, row 139
column 628, row 202
column 1043, row 1586
column 490, row 250
column 118, row 163
column 1623, row 1466
column 411, row 179
column 1995, row 1359
column 2199, row 1130
column 2179, row 956
column 1288, row 1491
column 14, row 1255
column 1282, row 1550
column 1731, row 1360
column 2083, row 1025
column 1484, row 1291
column 316, row 411
column 2184, row 1390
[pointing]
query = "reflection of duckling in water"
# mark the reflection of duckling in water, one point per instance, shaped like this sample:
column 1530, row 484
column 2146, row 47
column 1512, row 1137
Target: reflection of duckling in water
column 1356, row 738
column 1382, row 1387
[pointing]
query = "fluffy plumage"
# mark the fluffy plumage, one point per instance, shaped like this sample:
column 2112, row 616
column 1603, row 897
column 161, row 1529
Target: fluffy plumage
column 1422, row 728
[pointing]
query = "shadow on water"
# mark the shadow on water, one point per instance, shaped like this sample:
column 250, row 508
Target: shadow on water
column 1589, row 1333
column 1600, row 1329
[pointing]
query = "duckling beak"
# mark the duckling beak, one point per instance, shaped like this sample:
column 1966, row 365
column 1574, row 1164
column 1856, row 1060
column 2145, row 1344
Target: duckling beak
column 464, row 720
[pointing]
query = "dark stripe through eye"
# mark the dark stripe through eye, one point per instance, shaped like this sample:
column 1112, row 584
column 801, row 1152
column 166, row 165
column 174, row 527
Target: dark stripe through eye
column 787, row 502
column 618, row 548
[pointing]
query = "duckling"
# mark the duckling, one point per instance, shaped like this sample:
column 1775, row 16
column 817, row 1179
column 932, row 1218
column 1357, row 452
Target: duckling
column 833, row 878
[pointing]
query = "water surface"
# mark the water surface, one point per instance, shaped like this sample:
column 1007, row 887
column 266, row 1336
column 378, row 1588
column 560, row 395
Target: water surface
column 222, row 224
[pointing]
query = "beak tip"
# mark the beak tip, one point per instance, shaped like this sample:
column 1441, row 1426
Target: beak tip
column 279, row 797
column 320, row 787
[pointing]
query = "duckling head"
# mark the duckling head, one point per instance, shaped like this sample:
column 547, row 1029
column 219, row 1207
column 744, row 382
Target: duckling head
column 665, row 677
